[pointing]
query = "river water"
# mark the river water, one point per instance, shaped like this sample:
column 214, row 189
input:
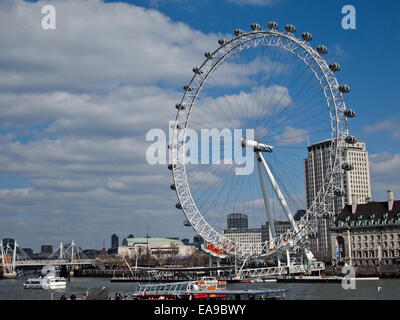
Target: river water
column 384, row 289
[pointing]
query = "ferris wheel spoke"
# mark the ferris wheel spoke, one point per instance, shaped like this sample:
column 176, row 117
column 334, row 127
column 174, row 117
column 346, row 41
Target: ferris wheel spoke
column 303, row 108
column 272, row 107
column 287, row 111
column 262, row 101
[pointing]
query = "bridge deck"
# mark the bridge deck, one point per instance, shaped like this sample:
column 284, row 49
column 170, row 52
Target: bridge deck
column 23, row 263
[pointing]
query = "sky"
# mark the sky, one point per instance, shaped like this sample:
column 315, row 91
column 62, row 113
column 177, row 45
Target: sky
column 76, row 103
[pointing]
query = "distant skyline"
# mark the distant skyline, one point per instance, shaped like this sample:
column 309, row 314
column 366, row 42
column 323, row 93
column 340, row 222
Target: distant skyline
column 76, row 103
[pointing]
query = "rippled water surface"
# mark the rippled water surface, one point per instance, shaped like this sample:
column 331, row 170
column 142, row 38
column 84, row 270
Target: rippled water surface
column 386, row 289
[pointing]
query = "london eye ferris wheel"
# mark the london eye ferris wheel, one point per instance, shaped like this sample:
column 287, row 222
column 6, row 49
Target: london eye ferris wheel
column 283, row 90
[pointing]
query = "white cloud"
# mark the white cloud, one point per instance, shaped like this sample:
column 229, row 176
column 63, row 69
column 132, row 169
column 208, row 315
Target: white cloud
column 125, row 111
column 339, row 52
column 385, row 174
column 120, row 44
column 229, row 111
column 392, row 126
column 76, row 103
column 84, row 184
column 236, row 74
column 255, row 209
column 254, row 2
column 291, row 136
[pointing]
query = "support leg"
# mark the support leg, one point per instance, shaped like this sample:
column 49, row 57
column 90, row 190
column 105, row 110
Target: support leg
column 283, row 203
column 267, row 202
column 278, row 192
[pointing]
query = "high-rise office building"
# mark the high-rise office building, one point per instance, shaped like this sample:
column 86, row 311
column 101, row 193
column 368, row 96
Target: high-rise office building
column 299, row 214
column 238, row 231
column 46, row 250
column 28, row 251
column 237, row 221
column 8, row 241
column 280, row 228
column 355, row 182
column 247, row 237
column 114, row 241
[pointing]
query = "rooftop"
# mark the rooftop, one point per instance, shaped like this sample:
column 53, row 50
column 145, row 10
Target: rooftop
column 370, row 211
column 327, row 142
column 152, row 240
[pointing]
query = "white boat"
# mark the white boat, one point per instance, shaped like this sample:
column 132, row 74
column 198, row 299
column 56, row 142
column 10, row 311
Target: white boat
column 206, row 283
column 203, row 289
column 10, row 275
column 53, row 282
column 49, row 282
column 33, row 283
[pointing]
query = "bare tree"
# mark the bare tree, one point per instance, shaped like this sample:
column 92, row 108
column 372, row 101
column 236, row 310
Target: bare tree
column 197, row 258
column 174, row 251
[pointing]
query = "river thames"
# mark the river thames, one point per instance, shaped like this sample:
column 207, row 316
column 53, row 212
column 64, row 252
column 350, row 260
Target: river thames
column 383, row 289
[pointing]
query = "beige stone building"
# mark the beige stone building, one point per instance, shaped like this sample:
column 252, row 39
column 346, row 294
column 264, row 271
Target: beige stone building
column 249, row 237
column 367, row 234
column 158, row 247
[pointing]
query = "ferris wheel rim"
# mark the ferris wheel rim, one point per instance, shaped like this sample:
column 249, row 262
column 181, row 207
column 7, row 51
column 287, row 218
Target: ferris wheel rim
column 196, row 219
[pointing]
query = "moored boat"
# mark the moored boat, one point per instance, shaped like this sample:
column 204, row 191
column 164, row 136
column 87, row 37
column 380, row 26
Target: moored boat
column 10, row 275
column 53, row 282
column 49, row 282
column 33, row 283
column 319, row 279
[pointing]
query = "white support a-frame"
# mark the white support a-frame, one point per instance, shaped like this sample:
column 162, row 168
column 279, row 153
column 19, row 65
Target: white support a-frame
column 267, row 201
column 309, row 255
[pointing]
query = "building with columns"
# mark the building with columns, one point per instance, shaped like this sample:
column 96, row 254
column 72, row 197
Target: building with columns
column 367, row 234
column 158, row 247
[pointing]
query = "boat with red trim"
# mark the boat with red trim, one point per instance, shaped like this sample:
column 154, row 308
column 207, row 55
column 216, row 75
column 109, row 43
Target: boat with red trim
column 206, row 288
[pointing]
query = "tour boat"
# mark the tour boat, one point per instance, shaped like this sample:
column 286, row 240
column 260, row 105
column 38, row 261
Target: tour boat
column 10, row 275
column 53, row 282
column 33, row 283
column 206, row 288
